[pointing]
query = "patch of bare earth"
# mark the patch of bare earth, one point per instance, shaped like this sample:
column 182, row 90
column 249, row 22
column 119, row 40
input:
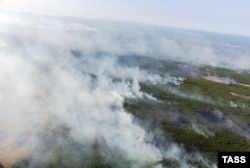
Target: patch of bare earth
column 240, row 95
column 245, row 85
column 216, row 79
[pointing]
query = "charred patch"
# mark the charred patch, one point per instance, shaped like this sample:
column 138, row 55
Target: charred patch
column 210, row 116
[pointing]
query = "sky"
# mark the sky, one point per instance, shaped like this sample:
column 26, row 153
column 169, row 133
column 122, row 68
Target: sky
column 226, row 16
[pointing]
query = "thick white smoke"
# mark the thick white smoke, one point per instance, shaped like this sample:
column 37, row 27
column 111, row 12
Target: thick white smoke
column 51, row 98
column 36, row 87
column 44, row 87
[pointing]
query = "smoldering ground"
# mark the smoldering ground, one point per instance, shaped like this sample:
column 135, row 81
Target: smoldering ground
column 64, row 110
column 61, row 108
column 43, row 92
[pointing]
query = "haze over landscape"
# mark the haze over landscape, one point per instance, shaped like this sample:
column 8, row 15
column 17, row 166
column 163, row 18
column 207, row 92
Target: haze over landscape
column 123, row 84
column 215, row 15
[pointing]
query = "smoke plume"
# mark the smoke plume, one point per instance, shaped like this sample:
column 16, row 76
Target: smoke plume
column 61, row 96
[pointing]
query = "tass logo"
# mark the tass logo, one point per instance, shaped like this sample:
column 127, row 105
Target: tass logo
column 234, row 159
